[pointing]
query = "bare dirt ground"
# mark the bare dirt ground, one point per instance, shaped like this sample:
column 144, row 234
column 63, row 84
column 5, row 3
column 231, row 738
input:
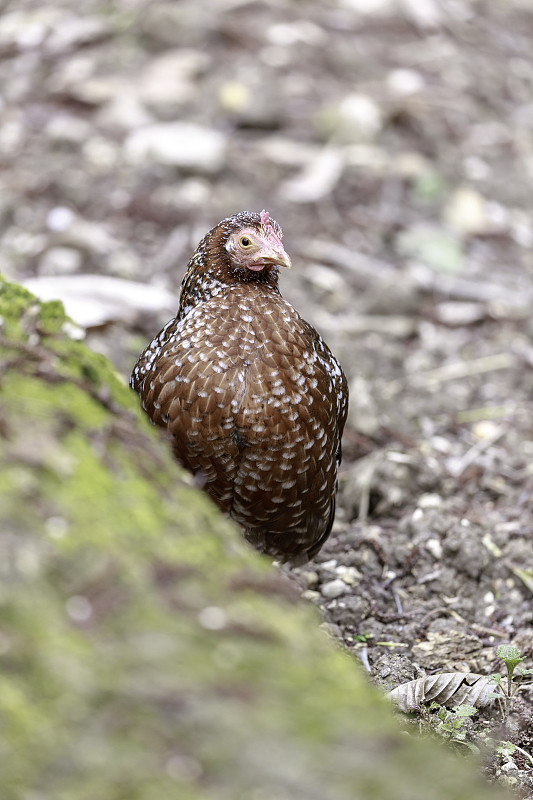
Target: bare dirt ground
column 392, row 141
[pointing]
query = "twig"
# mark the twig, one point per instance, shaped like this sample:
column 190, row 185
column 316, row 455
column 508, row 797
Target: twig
column 471, row 455
column 464, row 369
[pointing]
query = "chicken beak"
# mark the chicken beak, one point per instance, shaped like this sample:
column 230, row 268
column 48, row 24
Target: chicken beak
column 284, row 260
column 276, row 256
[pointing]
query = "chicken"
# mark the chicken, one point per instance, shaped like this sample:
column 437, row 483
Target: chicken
column 252, row 397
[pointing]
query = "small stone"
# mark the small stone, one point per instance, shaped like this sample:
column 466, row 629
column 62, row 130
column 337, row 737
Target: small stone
column 485, row 429
column 317, row 179
column 73, row 231
column 68, row 129
column 434, row 547
column 79, row 608
column 311, row 596
column 425, row 14
column 95, row 90
column 234, row 96
column 289, row 34
column 24, row 30
column 349, row 575
column 476, row 169
column 429, row 501
column 405, row 82
column 310, row 578
column 179, row 144
column 124, row 111
column 60, row 218
column 286, row 152
column 467, row 213
column 457, row 313
column 329, row 287
column 75, row 31
column 333, row 589
column 213, row 618
column 100, row 154
column 189, row 193
column 167, row 82
column 360, row 117
column 60, row 261
column 370, row 7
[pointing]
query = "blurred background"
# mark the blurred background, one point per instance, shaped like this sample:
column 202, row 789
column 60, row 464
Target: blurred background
column 391, row 139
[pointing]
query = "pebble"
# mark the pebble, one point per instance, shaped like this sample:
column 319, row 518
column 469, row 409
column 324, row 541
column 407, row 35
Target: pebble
column 310, row 577
column 86, row 235
column 11, row 135
column 429, row 500
column 286, row 152
column 349, row 575
column 74, row 31
column 485, row 430
column 370, row 7
column 456, row 313
column 317, row 179
column 65, row 128
column 189, row 193
column 60, row 218
column 311, row 596
column 466, row 212
column 23, row 30
column 329, row 287
column 167, row 82
column 289, row 34
column 100, row 154
column 234, row 96
column 60, row 261
column 434, row 547
column 178, row 144
column 123, row 111
column 333, row 589
column 405, row 82
column 359, row 117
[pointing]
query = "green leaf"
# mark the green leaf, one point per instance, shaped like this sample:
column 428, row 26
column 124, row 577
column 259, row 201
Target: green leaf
column 510, row 655
column 465, row 710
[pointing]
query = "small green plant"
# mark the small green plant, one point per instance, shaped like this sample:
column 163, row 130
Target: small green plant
column 507, row 750
column 363, row 638
column 450, row 723
column 507, row 687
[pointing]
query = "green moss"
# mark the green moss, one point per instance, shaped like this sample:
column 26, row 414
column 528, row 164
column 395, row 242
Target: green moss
column 52, row 317
column 145, row 650
column 15, row 301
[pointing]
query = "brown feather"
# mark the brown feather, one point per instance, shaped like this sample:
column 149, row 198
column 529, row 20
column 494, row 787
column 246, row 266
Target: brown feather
column 251, row 395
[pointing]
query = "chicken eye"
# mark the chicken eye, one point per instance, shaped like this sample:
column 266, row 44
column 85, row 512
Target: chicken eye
column 244, row 241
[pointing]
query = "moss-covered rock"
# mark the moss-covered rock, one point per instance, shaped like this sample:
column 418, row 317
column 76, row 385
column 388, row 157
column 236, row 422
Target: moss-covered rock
column 146, row 652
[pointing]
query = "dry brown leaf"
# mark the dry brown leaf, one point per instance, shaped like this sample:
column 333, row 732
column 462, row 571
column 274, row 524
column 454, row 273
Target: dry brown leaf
column 449, row 689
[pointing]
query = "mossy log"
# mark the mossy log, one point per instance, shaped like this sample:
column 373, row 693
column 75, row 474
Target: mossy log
column 146, row 652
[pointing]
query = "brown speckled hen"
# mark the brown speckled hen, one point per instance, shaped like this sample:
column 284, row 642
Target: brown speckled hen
column 254, row 400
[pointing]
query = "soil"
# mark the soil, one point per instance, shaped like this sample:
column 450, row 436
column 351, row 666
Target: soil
column 392, row 141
